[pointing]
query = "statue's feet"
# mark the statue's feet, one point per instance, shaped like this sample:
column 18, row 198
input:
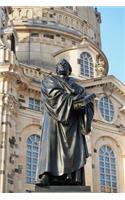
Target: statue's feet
column 44, row 181
column 70, row 181
column 58, row 180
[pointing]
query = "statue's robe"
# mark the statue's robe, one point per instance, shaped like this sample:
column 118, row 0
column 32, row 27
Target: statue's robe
column 67, row 118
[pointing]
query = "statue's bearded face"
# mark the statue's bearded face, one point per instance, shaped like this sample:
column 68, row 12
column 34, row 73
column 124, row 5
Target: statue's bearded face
column 63, row 68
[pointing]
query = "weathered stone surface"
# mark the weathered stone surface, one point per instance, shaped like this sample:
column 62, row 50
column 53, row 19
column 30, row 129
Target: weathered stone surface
column 64, row 188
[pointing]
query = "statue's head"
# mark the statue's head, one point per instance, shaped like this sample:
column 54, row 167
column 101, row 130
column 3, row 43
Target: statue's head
column 63, row 68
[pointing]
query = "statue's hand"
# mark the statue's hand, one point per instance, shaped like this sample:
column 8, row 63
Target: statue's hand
column 80, row 103
column 90, row 98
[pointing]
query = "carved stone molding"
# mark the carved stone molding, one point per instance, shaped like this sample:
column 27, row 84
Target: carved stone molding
column 108, row 88
column 100, row 66
column 122, row 109
column 98, row 15
column 21, row 86
column 11, row 102
column 6, row 28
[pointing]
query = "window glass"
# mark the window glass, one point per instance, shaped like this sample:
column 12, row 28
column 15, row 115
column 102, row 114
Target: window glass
column 86, row 65
column 34, row 104
column 107, row 164
column 31, row 157
column 106, row 108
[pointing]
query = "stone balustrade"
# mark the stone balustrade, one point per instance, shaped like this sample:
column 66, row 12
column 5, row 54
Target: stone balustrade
column 31, row 71
column 60, row 17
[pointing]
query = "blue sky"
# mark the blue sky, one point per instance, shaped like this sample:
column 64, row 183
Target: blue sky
column 113, row 39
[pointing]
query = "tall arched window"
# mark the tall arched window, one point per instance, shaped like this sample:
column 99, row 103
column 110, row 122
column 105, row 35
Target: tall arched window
column 106, row 108
column 86, row 64
column 31, row 157
column 107, row 165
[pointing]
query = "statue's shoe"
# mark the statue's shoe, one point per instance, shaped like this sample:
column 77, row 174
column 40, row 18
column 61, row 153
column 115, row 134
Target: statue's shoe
column 70, row 181
column 44, row 181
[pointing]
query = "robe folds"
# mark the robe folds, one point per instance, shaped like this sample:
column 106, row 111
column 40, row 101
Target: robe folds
column 67, row 119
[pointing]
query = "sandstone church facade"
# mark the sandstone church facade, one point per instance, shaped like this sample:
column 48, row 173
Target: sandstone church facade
column 32, row 40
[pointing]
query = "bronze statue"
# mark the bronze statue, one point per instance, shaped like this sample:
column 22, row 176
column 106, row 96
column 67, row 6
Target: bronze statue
column 68, row 116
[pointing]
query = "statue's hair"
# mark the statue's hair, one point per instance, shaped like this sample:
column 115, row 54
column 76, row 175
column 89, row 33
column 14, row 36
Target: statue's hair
column 63, row 62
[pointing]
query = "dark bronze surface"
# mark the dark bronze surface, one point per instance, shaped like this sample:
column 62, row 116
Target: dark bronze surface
column 68, row 114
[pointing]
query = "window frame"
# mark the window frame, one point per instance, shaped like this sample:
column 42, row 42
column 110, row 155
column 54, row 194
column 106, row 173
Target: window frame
column 106, row 175
column 31, row 159
column 87, row 65
column 34, row 104
column 107, row 113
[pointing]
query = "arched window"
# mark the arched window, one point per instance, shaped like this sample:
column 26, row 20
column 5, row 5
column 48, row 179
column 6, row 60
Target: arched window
column 66, row 20
column 31, row 157
column 107, row 165
column 60, row 18
column 106, row 108
column 86, row 65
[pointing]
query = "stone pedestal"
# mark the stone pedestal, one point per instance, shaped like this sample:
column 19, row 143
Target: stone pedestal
column 64, row 188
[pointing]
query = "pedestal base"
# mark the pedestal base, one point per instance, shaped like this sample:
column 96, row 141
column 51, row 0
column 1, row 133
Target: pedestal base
column 64, row 188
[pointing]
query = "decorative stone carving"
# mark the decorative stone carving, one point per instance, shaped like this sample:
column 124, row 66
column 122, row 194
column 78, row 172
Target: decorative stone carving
column 98, row 15
column 122, row 109
column 22, row 85
column 12, row 140
column 3, row 19
column 3, row 24
column 19, row 169
column 91, row 34
column 11, row 102
column 108, row 89
column 99, row 67
column 7, row 33
column 84, row 41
